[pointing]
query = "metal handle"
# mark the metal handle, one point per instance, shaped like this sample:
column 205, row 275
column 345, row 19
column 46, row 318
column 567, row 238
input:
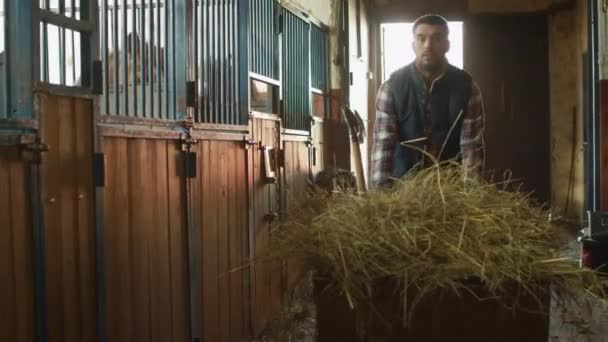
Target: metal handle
column 269, row 169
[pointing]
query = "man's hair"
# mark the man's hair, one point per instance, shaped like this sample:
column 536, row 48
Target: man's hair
column 432, row 19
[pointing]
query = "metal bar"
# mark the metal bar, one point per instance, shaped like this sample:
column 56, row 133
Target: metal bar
column 267, row 37
column 197, row 55
column 231, row 65
column 171, row 99
column 166, row 57
column 116, row 60
column 62, row 55
column 73, row 41
column 37, row 217
column 214, row 56
column 159, row 64
column 181, row 35
column 4, row 110
column 252, row 32
column 100, row 265
column 142, row 55
column 105, row 57
column 207, row 62
column 134, row 54
column 151, row 57
column 222, row 57
column 125, row 58
column 242, row 56
column 62, row 7
column 63, row 21
column 89, row 14
column 45, row 51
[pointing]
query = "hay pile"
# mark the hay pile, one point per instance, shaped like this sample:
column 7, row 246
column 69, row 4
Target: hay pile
column 433, row 231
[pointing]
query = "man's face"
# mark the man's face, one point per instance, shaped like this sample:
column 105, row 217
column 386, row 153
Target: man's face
column 430, row 46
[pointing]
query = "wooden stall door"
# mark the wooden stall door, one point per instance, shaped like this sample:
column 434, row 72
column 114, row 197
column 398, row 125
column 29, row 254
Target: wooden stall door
column 220, row 240
column 16, row 286
column 145, row 240
column 266, row 283
column 68, row 202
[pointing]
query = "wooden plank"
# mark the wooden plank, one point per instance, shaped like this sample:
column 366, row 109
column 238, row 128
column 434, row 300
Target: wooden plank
column 210, row 245
column 275, row 272
column 22, row 249
column 261, row 300
column 160, row 276
column 53, row 201
column 119, row 286
column 8, row 303
column 141, row 215
column 235, row 262
column 224, row 228
column 177, row 244
column 85, row 213
column 64, row 189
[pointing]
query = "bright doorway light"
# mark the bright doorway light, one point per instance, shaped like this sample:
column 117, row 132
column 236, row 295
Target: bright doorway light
column 397, row 46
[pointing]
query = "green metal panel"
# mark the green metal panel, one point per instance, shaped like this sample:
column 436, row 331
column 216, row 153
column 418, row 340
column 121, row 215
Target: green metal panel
column 143, row 51
column 219, row 51
column 296, row 72
column 263, row 38
column 319, row 58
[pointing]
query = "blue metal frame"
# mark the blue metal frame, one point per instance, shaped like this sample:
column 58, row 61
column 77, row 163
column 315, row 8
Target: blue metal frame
column 19, row 59
column 592, row 126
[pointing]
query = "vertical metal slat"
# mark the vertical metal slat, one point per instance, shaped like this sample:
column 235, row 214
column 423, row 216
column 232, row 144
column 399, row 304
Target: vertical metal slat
column 167, row 62
column 151, row 57
column 197, row 54
column 125, row 62
column 143, row 57
column 134, row 49
column 104, row 57
column 159, row 64
column 116, row 59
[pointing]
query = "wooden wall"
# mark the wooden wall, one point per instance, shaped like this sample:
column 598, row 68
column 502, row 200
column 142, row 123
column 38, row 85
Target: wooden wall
column 68, row 202
column 16, row 285
column 173, row 245
column 145, row 241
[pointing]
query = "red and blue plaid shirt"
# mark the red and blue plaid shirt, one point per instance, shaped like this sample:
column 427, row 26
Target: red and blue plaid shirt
column 386, row 135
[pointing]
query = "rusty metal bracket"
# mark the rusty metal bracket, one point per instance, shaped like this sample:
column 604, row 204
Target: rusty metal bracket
column 309, row 142
column 186, row 142
column 248, row 142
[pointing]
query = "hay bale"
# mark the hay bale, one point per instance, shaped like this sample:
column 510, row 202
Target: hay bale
column 433, row 231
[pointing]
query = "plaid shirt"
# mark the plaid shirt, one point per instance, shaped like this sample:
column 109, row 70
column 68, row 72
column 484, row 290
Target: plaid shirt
column 386, row 136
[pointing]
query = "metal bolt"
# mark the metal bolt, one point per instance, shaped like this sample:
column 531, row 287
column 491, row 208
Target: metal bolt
column 52, row 200
column 80, row 196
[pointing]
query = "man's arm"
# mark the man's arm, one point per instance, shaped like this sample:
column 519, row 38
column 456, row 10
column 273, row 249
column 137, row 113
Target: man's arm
column 471, row 139
column 385, row 138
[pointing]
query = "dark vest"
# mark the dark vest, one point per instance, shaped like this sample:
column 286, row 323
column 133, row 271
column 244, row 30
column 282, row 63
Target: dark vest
column 450, row 95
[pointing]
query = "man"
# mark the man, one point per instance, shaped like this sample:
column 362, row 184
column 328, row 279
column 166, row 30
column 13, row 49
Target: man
column 430, row 104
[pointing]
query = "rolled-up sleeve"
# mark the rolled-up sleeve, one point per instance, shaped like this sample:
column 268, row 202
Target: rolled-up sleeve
column 385, row 137
column 471, row 141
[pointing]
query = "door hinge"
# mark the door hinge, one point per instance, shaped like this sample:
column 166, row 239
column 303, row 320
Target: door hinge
column 99, row 170
column 190, row 164
column 191, row 94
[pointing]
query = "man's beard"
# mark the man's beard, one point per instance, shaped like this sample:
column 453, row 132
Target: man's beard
column 431, row 67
